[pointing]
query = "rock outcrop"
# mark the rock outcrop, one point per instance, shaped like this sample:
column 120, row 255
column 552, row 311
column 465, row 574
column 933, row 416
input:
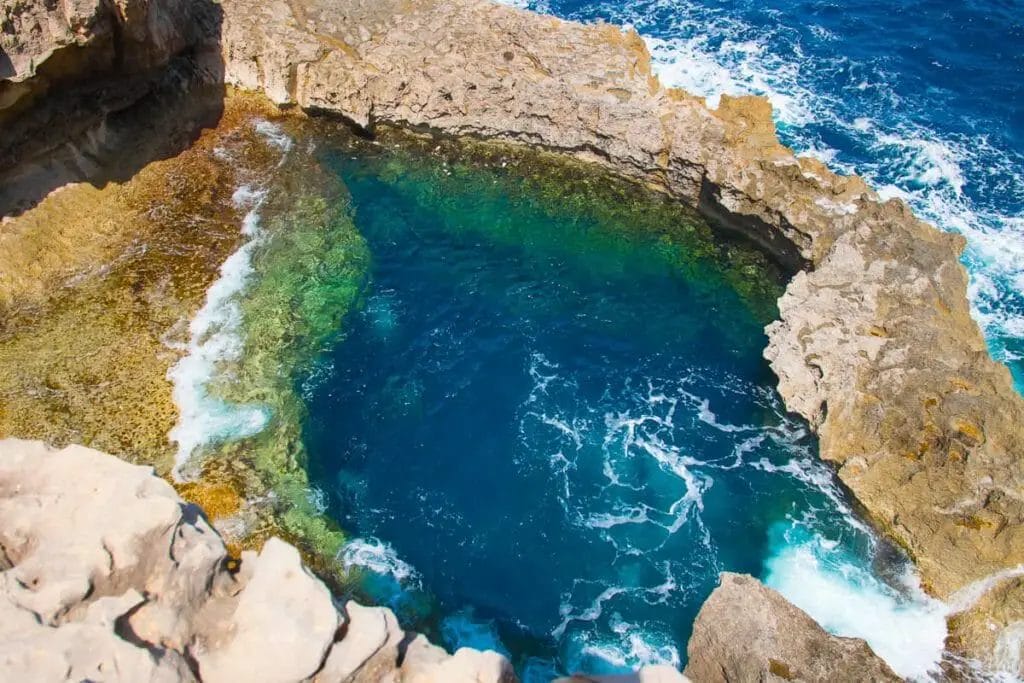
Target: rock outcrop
column 747, row 632
column 69, row 68
column 875, row 346
column 107, row 575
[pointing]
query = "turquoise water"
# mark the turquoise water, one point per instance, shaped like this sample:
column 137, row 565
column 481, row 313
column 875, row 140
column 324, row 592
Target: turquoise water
column 924, row 98
column 547, row 430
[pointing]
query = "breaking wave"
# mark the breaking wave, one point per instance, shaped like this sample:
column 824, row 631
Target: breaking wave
column 216, row 338
column 926, row 129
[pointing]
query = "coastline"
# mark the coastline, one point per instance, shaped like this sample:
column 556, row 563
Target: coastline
column 875, row 345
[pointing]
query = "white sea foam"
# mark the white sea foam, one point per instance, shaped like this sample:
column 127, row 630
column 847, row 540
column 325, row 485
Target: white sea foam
column 906, row 628
column 589, row 613
column 624, row 646
column 378, row 557
column 215, row 339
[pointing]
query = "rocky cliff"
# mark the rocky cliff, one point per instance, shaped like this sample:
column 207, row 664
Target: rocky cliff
column 107, row 575
column 69, row 69
column 875, row 345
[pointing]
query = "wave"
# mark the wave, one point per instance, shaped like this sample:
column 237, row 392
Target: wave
column 904, row 627
column 380, row 558
column 845, row 111
column 216, row 338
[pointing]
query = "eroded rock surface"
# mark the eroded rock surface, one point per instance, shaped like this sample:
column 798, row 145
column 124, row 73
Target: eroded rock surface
column 747, row 632
column 107, row 575
column 875, row 345
column 69, row 68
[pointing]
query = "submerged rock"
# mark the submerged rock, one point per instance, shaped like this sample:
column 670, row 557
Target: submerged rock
column 747, row 632
column 108, row 575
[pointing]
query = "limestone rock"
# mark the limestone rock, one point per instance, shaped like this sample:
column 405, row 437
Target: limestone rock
column 369, row 650
column 875, row 345
column 747, row 632
column 66, row 69
column 282, row 627
column 107, row 575
column 426, row 663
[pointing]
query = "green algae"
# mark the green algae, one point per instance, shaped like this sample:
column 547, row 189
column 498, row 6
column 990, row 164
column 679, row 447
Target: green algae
column 616, row 210
column 88, row 364
column 309, row 272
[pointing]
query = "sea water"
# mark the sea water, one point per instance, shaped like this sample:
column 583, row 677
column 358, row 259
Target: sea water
column 924, row 98
column 546, row 432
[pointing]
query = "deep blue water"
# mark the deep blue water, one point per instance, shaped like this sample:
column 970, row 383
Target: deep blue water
column 924, row 98
column 547, row 439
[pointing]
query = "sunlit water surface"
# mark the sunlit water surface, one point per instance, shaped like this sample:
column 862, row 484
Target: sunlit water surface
column 546, row 436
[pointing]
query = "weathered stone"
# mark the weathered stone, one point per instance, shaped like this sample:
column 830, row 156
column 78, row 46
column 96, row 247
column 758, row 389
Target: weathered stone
column 875, row 345
column 282, row 627
column 425, row 663
column 109, row 576
column 369, row 650
column 747, row 632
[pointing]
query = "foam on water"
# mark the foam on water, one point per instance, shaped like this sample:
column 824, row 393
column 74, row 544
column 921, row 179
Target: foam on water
column 843, row 109
column 379, row 557
column 903, row 626
column 216, row 339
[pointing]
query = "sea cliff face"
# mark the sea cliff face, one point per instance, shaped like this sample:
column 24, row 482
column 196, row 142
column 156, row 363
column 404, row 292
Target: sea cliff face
column 875, row 345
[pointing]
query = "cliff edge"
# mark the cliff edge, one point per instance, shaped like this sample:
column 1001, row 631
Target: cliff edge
column 875, row 345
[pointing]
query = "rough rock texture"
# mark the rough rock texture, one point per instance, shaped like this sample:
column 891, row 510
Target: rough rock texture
column 107, row 575
column 875, row 346
column 68, row 68
column 747, row 632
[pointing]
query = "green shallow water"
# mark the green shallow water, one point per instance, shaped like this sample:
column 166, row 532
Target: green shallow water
column 533, row 397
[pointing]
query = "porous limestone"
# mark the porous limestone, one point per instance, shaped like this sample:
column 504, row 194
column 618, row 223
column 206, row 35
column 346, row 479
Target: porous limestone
column 107, row 575
column 747, row 632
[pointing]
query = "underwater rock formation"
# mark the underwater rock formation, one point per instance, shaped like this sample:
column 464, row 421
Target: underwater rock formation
column 106, row 574
column 875, row 347
column 747, row 632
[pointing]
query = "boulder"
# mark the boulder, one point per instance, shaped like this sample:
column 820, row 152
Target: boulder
column 748, row 632
column 107, row 575
column 282, row 626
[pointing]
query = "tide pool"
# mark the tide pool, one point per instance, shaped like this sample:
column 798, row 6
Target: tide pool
column 548, row 425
